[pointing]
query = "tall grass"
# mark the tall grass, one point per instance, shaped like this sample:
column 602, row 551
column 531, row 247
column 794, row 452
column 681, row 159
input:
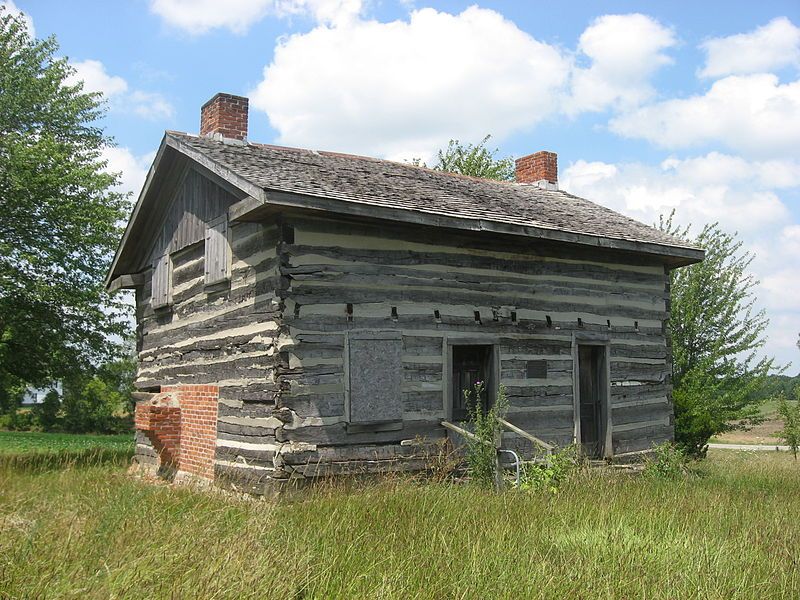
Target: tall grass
column 30, row 452
column 729, row 532
column 15, row 442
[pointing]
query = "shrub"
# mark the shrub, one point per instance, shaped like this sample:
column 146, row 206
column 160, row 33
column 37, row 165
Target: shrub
column 667, row 462
column 46, row 413
column 548, row 476
column 94, row 405
column 790, row 414
column 481, row 452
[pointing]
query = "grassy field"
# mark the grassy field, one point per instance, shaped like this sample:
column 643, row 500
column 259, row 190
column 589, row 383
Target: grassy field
column 14, row 442
column 763, row 433
column 31, row 452
column 730, row 531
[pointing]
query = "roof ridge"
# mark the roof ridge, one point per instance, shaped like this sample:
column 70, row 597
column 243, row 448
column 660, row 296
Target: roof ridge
column 336, row 154
column 385, row 183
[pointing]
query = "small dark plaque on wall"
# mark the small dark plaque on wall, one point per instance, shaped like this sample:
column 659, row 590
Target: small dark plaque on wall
column 537, row 369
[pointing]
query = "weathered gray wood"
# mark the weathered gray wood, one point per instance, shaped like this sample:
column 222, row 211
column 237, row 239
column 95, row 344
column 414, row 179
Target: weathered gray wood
column 522, row 433
column 126, row 282
column 217, row 251
column 523, row 265
column 463, row 432
column 373, row 292
column 390, row 214
column 162, row 282
column 337, row 434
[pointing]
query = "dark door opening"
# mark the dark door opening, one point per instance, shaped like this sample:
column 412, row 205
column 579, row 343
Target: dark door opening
column 470, row 365
column 592, row 394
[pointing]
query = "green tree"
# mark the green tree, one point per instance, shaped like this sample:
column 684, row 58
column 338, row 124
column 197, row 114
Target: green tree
column 46, row 413
column 716, row 337
column 790, row 415
column 99, row 400
column 473, row 160
column 59, row 217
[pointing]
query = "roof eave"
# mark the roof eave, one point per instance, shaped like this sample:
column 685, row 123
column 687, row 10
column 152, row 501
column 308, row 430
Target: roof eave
column 112, row 275
column 250, row 208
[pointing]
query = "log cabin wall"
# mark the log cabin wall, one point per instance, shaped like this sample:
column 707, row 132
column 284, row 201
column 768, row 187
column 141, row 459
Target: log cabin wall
column 531, row 301
column 225, row 335
column 277, row 340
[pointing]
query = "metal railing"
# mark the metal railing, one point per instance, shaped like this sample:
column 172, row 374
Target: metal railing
column 497, row 445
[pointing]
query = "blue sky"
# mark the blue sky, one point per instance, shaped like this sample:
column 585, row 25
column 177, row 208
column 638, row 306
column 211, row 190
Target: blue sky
column 650, row 106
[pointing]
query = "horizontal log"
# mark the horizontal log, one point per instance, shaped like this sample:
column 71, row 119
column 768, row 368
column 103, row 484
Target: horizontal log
column 357, row 275
column 311, row 293
column 514, row 262
column 337, row 434
column 245, row 456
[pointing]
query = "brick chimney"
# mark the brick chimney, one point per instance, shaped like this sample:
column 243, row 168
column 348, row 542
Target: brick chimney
column 224, row 116
column 540, row 168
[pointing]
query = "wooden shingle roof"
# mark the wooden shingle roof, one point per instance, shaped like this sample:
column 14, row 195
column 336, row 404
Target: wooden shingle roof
column 272, row 176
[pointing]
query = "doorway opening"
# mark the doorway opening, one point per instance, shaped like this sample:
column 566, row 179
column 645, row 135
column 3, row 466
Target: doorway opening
column 471, row 364
column 592, row 399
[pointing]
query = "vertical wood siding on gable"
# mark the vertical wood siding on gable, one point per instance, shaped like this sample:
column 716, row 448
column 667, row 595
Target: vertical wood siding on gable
column 197, row 202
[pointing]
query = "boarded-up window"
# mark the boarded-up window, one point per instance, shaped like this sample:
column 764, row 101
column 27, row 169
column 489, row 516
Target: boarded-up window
column 218, row 251
column 161, row 295
column 375, row 377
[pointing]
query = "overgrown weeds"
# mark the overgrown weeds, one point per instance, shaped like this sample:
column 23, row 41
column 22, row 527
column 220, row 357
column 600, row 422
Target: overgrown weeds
column 667, row 461
column 482, row 450
column 96, row 533
column 48, row 460
column 549, row 474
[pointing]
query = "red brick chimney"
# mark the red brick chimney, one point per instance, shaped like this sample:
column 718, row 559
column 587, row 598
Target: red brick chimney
column 225, row 115
column 540, row 168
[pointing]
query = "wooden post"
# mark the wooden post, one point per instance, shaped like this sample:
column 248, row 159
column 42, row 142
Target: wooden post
column 498, row 469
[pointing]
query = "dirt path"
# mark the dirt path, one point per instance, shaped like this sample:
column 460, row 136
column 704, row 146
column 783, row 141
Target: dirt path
column 750, row 447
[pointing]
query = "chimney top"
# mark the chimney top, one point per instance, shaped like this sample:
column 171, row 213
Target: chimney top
column 540, row 168
column 224, row 117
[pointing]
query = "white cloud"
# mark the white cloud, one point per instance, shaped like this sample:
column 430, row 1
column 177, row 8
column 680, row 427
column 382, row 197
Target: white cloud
column 133, row 168
column 741, row 195
column 14, row 10
column 201, row 16
column 715, row 167
column 330, row 12
column 754, row 114
column 403, row 88
column 148, row 105
column 96, row 79
column 625, row 51
column 772, row 46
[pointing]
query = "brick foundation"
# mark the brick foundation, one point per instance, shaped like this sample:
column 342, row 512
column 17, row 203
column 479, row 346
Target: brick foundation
column 162, row 426
column 181, row 423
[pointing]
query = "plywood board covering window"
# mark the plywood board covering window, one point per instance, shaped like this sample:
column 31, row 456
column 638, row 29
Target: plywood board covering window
column 375, row 378
column 218, row 252
column 161, row 295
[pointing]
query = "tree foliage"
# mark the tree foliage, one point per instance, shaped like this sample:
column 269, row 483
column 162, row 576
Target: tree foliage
column 59, row 217
column 716, row 337
column 790, row 415
column 474, row 160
